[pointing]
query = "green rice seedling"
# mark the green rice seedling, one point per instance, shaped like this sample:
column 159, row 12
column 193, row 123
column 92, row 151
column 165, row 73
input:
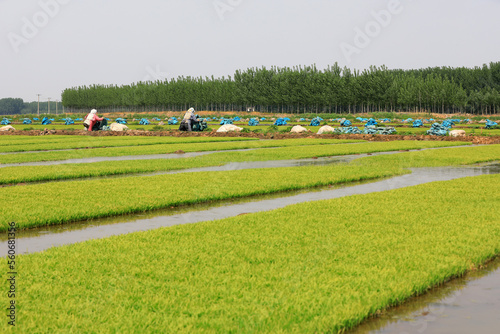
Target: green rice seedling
column 163, row 149
column 318, row 267
column 96, row 142
column 69, row 171
column 437, row 158
column 61, row 202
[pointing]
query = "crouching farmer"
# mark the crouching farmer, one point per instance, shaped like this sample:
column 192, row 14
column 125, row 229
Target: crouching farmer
column 93, row 122
column 188, row 120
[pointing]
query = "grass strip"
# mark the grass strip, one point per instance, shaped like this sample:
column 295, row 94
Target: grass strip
column 71, row 171
column 84, row 142
column 163, row 149
column 436, row 158
column 58, row 203
column 310, row 268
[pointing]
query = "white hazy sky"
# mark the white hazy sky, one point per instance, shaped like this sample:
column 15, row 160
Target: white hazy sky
column 49, row 45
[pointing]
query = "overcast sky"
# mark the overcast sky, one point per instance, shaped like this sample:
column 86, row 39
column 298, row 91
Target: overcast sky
column 49, row 45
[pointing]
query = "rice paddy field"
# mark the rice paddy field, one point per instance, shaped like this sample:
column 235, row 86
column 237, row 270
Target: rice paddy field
column 314, row 267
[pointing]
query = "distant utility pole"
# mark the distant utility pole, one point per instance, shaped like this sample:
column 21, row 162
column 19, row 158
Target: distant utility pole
column 48, row 112
column 38, row 113
column 56, row 105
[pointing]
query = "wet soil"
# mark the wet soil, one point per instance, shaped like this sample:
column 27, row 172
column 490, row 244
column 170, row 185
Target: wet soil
column 277, row 135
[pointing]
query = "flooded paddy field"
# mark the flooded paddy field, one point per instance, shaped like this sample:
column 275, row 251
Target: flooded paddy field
column 404, row 174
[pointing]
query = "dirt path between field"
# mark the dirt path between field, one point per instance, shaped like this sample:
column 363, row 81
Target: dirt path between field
column 277, row 135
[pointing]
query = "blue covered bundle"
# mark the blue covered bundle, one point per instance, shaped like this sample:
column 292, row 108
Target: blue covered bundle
column 263, row 119
column 362, row 120
column 68, row 121
column 120, row 120
column 288, row 119
column 302, row 119
column 382, row 130
column 467, row 120
column 385, row 120
column 225, row 121
column 345, row 123
column 26, row 121
column 454, row 121
column 46, row 121
column 144, row 121
column 236, row 119
column 447, row 124
column 5, row 121
column 173, row 121
column 78, row 119
column 418, row 123
column 490, row 124
column 253, row 122
column 371, row 122
column 280, row 121
column 348, row 130
column 156, row 119
column 438, row 130
column 36, row 119
column 315, row 121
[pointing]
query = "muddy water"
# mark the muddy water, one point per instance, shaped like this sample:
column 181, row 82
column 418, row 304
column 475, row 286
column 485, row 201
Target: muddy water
column 170, row 156
column 120, row 158
column 41, row 239
column 470, row 304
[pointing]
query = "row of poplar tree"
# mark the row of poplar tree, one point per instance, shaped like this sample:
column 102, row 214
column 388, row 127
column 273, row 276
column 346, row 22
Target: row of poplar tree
column 306, row 89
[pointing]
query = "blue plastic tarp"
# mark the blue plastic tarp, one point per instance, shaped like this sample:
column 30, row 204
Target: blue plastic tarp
column 225, row 121
column 68, row 121
column 46, row 121
column 280, row 121
column 253, row 122
column 5, row 121
column 120, row 120
column 236, row 119
column 348, row 130
column 26, row 121
column 382, row 130
column 144, row 121
column 345, row 123
column 418, row 123
column 315, row 121
column 490, row 124
column 438, row 130
column 447, row 124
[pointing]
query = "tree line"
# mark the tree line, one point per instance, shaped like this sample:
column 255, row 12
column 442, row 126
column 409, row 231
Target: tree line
column 306, row 89
column 13, row 106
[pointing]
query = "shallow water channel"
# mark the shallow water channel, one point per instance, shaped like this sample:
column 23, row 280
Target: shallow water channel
column 463, row 305
column 470, row 304
column 39, row 239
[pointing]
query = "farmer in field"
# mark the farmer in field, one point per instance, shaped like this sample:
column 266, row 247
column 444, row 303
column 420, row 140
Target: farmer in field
column 187, row 121
column 93, row 122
